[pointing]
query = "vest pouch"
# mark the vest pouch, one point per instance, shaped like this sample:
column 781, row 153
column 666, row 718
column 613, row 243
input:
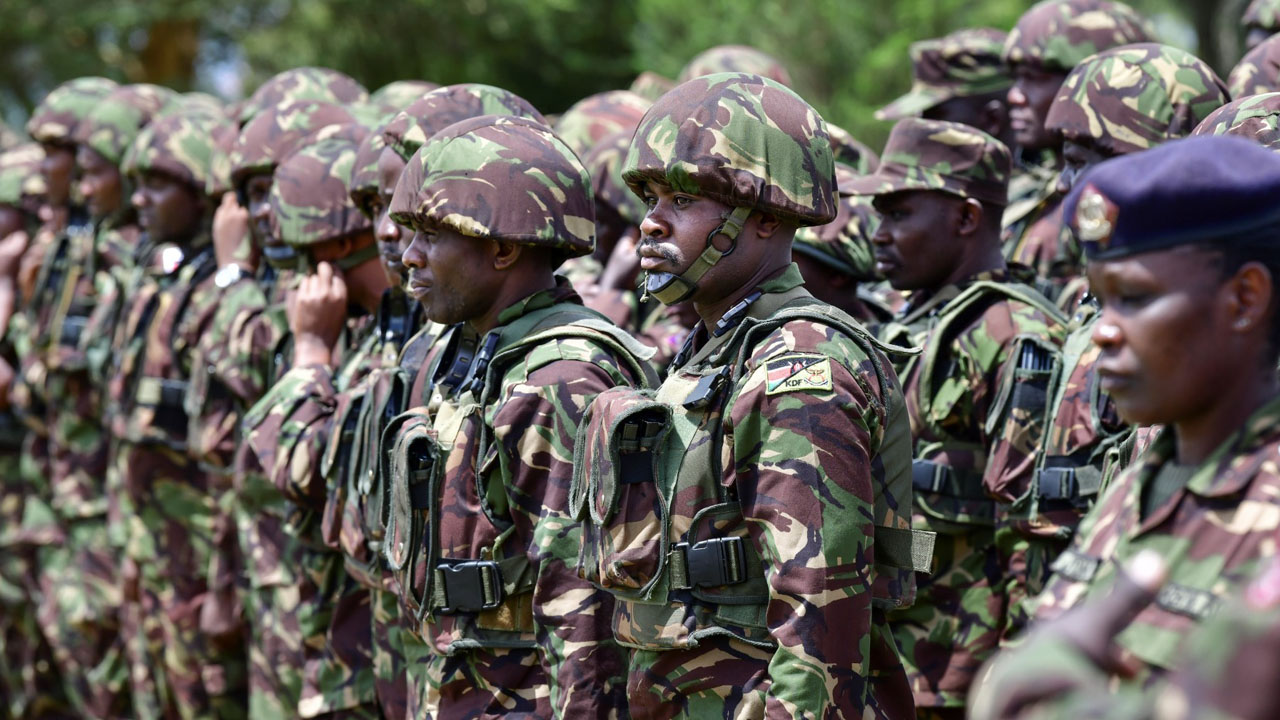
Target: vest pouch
column 335, row 467
column 953, row 500
column 621, row 488
column 1021, row 401
column 719, row 565
column 415, row 465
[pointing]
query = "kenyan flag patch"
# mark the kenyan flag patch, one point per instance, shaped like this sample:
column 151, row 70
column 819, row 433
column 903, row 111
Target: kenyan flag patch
column 797, row 372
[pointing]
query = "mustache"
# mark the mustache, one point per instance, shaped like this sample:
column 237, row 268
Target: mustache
column 666, row 253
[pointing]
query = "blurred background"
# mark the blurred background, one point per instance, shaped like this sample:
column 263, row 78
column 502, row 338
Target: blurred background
column 847, row 57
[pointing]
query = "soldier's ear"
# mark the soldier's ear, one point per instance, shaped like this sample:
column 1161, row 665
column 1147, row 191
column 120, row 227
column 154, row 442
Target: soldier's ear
column 505, row 254
column 767, row 225
column 969, row 217
column 995, row 117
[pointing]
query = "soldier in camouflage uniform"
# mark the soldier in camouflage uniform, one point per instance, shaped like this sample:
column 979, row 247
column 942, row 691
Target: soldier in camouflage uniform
column 1182, row 253
column 29, row 682
column 988, row 340
column 1225, row 672
column 1258, row 71
column 735, row 58
column 1048, row 41
column 79, row 577
column 396, row 96
column 745, row 514
column 479, row 533
column 289, row 429
column 1119, row 101
column 959, row 78
column 1261, row 20
column 837, row 259
column 304, row 83
column 594, row 118
column 169, row 503
column 1256, row 118
column 650, row 85
column 242, row 356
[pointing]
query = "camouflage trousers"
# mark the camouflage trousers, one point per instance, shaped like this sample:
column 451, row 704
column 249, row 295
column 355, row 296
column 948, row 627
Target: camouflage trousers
column 1027, row 562
column 388, row 655
column 336, row 623
column 479, row 684
column 956, row 621
column 79, row 614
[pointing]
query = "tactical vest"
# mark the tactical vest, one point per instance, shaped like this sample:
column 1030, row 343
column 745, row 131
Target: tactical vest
column 955, row 499
column 1075, row 480
column 667, row 538
column 475, row 593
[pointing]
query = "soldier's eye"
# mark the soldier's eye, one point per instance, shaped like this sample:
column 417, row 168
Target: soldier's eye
column 683, row 202
column 650, row 200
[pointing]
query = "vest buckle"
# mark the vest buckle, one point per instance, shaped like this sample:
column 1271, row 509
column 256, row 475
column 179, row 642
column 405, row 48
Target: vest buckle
column 471, row 586
column 715, row 562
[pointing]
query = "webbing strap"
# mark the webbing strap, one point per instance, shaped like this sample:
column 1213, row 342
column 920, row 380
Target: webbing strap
column 905, row 548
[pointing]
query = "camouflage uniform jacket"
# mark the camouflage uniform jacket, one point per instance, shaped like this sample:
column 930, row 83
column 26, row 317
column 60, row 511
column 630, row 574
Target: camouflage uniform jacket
column 1215, row 534
column 501, row 495
column 1030, row 186
column 986, row 345
column 793, row 442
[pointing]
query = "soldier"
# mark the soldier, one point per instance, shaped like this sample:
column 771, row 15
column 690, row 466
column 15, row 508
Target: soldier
column 79, row 578
column 169, row 503
column 496, row 204
column 1261, row 20
column 1258, row 71
column 735, row 602
column 836, row 260
column 650, row 85
column 242, row 356
column 289, row 428
column 1048, row 41
column 735, row 58
column 1087, row 443
column 30, row 685
column 959, row 78
column 1182, row 252
column 988, row 342
column 1256, row 118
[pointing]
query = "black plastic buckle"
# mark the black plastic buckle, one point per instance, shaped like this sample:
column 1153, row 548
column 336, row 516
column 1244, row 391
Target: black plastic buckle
column 928, row 476
column 73, row 327
column 1057, row 483
column 707, row 389
column 464, row 586
column 715, row 562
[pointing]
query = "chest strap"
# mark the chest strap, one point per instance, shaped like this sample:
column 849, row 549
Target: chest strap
column 478, row 585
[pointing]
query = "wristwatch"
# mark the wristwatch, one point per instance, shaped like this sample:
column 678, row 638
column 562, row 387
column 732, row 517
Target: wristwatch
column 227, row 275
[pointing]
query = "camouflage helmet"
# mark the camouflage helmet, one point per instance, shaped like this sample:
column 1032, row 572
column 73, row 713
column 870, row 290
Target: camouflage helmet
column 844, row 244
column 735, row 59
column 55, row 118
column 742, row 140
column 965, row 63
column 115, row 121
column 205, row 101
column 592, row 118
column 503, row 178
column 439, row 109
column 1056, row 35
column 8, row 136
column 183, row 144
column 275, row 134
column 604, row 163
column 1256, row 118
column 364, row 168
column 21, row 180
column 1258, row 71
column 1262, row 14
column 310, row 202
column 937, row 155
column 651, row 86
column 396, row 96
column 304, row 83
column 1135, row 97
column 849, row 151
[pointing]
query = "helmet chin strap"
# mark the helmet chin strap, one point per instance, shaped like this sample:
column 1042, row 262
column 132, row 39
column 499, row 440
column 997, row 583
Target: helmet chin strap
column 670, row 288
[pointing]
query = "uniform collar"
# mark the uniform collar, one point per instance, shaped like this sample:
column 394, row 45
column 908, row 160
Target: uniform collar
column 562, row 292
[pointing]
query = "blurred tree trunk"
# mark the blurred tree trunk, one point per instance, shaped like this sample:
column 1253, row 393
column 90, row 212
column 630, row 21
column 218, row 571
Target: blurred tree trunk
column 1217, row 26
column 169, row 57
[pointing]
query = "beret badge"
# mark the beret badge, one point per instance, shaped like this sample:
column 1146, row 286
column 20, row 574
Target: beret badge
column 1095, row 217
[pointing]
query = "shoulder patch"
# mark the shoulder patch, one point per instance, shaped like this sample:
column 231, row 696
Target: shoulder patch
column 793, row 373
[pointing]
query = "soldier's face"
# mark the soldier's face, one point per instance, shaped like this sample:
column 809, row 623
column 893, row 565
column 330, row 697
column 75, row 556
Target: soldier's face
column 258, row 191
column 392, row 239
column 100, row 183
column 1029, row 101
column 1077, row 157
column 168, row 209
column 59, row 161
column 674, row 233
column 451, row 275
column 914, row 248
column 1164, row 333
